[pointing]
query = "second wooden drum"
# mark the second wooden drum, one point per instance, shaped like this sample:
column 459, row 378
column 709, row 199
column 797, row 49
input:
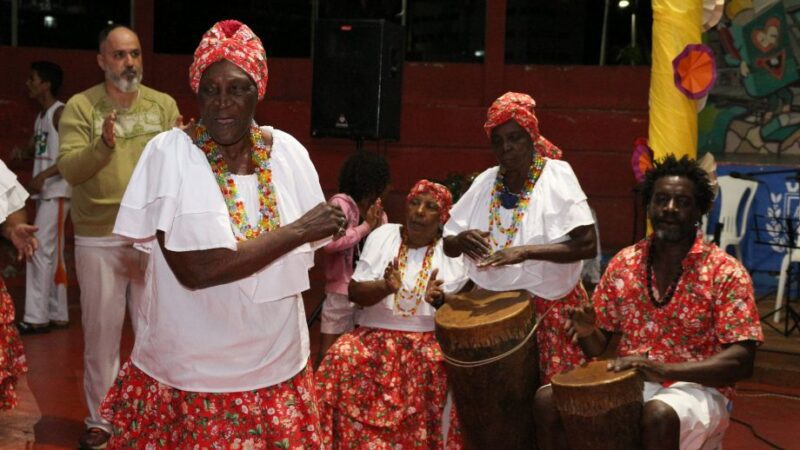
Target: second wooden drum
column 600, row 409
column 492, row 366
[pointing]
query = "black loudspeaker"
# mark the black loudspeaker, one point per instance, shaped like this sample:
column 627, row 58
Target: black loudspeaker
column 358, row 67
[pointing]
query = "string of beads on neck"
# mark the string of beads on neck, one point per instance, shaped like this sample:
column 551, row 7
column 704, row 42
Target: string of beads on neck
column 669, row 292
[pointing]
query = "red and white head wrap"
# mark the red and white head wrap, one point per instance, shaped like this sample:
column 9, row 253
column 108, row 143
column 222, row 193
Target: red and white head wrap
column 236, row 42
column 519, row 108
column 438, row 192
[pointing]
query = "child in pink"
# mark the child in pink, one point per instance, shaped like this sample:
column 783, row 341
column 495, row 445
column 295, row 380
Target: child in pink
column 364, row 178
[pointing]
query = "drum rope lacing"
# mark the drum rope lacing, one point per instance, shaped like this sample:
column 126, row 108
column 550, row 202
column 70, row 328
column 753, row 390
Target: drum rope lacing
column 483, row 362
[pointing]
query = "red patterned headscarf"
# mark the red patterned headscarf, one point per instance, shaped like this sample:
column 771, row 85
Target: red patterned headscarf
column 236, row 42
column 438, row 192
column 519, row 108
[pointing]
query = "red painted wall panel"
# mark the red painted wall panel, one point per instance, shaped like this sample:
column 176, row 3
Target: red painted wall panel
column 582, row 87
column 593, row 113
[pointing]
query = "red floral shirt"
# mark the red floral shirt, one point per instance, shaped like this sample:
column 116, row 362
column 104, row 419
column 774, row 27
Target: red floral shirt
column 713, row 305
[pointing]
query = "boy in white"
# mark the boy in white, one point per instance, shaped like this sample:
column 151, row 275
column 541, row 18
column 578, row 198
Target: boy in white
column 46, row 276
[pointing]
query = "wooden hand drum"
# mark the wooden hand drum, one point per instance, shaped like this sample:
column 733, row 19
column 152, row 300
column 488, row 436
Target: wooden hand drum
column 600, row 409
column 492, row 366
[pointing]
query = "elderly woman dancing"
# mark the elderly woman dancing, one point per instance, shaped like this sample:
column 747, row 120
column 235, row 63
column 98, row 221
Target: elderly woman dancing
column 383, row 385
column 232, row 213
column 14, row 227
column 525, row 224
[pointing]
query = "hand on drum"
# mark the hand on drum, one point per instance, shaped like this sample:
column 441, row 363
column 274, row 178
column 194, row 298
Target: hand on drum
column 475, row 244
column 513, row 255
column 580, row 323
column 434, row 294
column 650, row 370
column 392, row 276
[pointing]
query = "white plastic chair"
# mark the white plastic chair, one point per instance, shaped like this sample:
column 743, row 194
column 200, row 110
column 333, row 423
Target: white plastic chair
column 707, row 237
column 788, row 259
column 734, row 192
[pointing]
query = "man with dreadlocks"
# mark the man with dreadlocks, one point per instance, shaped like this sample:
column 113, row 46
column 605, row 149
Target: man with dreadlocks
column 686, row 315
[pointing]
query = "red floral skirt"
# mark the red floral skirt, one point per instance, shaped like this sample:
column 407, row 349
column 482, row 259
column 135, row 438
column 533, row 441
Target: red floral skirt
column 384, row 389
column 147, row 414
column 12, row 356
column 557, row 353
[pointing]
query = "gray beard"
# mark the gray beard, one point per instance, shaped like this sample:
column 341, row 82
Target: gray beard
column 123, row 84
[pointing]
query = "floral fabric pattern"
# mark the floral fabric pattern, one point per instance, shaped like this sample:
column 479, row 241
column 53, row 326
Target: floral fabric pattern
column 557, row 353
column 146, row 414
column 12, row 356
column 236, row 42
column 384, row 389
column 713, row 305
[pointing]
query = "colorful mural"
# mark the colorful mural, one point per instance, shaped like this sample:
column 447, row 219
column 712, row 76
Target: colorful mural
column 751, row 109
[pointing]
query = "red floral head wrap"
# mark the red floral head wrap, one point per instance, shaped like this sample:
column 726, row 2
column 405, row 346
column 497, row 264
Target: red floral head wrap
column 519, row 108
column 236, row 42
column 438, row 192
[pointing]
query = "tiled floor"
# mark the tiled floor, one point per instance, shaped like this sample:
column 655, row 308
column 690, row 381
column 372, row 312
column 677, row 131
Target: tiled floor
column 55, row 378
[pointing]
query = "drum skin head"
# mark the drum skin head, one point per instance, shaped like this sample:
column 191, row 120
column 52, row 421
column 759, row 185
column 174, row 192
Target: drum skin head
column 480, row 308
column 594, row 373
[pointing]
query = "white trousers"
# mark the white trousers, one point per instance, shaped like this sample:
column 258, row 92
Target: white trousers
column 704, row 412
column 44, row 299
column 108, row 276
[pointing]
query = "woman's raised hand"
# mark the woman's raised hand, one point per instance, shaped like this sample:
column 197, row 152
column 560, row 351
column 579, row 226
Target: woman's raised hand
column 434, row 293
column 392, row 276
column 321, row 221
column 581, row 322
column 375, row 215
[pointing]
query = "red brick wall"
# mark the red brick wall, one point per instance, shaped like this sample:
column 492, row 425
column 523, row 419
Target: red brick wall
column 592, row 113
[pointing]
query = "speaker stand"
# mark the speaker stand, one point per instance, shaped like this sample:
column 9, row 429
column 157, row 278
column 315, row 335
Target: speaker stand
column 359, row 144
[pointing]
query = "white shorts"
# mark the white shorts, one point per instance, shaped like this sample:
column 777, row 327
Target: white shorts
column 338, row 314
column 704, row 412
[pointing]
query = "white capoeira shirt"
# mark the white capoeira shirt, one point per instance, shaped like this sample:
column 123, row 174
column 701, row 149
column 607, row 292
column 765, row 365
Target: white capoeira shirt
column 557, row 206
column 45, row 152
column 380, row 249
column 238, row 336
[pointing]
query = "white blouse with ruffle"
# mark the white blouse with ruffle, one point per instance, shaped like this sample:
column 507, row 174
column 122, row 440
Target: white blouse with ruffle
column 238, row 336
column 557, row 206
column 12, row 194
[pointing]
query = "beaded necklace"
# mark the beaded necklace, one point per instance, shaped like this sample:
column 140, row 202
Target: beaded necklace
column 498, row 191
column 404, row 297
column 669, row 292
column 267, row 201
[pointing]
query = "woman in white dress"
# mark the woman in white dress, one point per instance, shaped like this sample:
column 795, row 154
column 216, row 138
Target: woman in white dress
column 232, row 213
column 14, row 227
column 383, row 385
column 526, row 224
